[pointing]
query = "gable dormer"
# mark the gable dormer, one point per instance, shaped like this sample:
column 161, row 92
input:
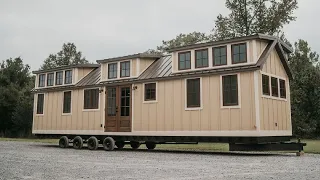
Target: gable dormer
column 62, row 76
column 126, row 67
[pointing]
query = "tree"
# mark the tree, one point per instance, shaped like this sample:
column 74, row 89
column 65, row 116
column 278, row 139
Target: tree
column 15, row 86
column 248, row 17
column 67, row 56
column 184, row 39
column 305, row 90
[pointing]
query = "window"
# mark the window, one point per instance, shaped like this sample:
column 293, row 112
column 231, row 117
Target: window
column 274, row 86
column 67, row 102
column 112, row 71
column 283, row 93
column 150, row 92
column 125, row 69
column 219, row 56
column 42, row 80
column 265, row 85
column 239, row 53
column 184, row 61
column 40, row 103
column 68, row 77
column 201, row 58
column 230, row 90
column 50, row 78
column 59, row 78
column 91, row 99
column 193, row 93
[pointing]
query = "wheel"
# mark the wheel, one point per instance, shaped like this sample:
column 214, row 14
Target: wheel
column 77, row 142
column 151, row 145
column 108, row 144
column 64, row 142
column 120, row 144
column 135, row 144
column 93, row 143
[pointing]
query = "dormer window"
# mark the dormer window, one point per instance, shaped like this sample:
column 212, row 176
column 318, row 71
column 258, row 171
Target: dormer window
column 68, row 77
column 219, row 56
column 59, row 78
column 201, row 57
column 184, row 60
column 125, row 69
column 42, row 80
column 239, row 53
column 50, row 79
column 112, row 71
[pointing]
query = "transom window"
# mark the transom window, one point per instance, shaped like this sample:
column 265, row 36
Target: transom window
column 40, row 103
column 230, row 90
column 184, row 60
column 193, row 93
column 274, row 87
column 150, row 92
column 59, row 78
column 283, row 93
column 112, row 70
column 265, row 85
column 239, row 53
column 50, row 79
column 68, row 77
column 42, row 80
column 67, row 102
column 201, row 58
column 91, row 98
column 125, row 69
column 219, row 55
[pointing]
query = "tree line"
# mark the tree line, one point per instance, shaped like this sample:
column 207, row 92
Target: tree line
column 246, row 17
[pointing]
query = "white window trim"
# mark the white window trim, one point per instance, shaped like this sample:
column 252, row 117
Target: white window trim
column 185, row 96
column 53, row 79
column 45, row 80
column 143, row 91
column 119, row 70
column 67, row 114
column 83, row 100
column 270, row 87
column 108, row 71
column 239, row 92
column 44, row 99
column 64, row 76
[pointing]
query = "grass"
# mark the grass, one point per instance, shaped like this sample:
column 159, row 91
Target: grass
column 313, row 146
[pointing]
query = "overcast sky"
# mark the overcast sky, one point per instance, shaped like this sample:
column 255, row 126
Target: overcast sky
column 100, row 29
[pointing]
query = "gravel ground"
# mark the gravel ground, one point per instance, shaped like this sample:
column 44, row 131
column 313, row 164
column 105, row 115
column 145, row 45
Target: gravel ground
column 26, row 160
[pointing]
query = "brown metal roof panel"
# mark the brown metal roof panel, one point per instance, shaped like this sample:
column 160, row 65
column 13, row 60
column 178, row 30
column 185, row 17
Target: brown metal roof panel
column 92, row 78
column 157, row 68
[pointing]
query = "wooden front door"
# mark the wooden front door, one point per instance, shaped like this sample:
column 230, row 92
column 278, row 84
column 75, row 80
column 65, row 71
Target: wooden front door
column 118, row 109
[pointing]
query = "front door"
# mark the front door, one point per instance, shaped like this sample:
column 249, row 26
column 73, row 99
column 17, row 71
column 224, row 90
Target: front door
column 118, row 109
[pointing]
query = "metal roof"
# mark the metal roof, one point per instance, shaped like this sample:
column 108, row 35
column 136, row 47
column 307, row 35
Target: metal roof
column 92, row 78
column 67, row 67
column 158, row 69
column 139, row 55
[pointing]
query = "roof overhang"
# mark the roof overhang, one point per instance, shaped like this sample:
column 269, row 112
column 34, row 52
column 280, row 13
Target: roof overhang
column 133, row 56
column 67, row 67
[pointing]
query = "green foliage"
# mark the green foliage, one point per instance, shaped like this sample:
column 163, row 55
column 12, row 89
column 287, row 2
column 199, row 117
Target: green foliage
column 15, row 96
column 67, row 56
column 305, row 91
column 249, row 17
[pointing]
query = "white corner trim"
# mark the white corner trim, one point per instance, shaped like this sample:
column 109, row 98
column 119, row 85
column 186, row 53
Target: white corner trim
column 186, row 108
column 239, row 92
column 257, row 99
column 143, row 93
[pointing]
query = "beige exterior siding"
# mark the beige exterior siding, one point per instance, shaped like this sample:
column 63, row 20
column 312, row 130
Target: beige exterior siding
column 82, row 72
column 144, row 64
column 79, row 119
column 169, row 113
column 275, row 113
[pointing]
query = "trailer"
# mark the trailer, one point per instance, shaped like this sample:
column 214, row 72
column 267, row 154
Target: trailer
column 233, row 91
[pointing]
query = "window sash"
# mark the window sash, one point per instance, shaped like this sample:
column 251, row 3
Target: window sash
column 230, row 90
column 67, row 102
column 184, row 60
column 91, row 99
column 201, row 58
column 219, row 55
column 68, row 77
column 50, row 79
column 193, row 93
column 265, row 85
column 283, row 93
column 239, row 53
column 150, row 92
column 125, row 69
column 112, row 71
column 40, row 103
column 274, row 87
column 42, row 80
column 59, row 78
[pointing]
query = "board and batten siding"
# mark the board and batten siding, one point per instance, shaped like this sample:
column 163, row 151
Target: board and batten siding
column 168, row 113
column 275, row 113
column 79, row 119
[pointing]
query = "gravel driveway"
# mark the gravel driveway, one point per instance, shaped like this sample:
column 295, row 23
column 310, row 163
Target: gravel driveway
column 25, row 160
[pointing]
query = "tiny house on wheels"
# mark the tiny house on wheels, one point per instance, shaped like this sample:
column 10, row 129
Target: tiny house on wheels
column 234, row 91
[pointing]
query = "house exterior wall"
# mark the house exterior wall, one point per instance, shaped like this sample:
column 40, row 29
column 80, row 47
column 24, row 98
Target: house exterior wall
column 81, row 73
column 168, row 113
column 275, row 113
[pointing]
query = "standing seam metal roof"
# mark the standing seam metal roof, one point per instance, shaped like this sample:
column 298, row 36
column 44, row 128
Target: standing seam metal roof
column 91, row 79
column 158, row 69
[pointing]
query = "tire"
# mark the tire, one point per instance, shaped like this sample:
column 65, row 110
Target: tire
column 77, row 142
column 134, row 144
column 108, row 144
column 93, row 143
column 151, row 145
column 64, row 142
column 120, row 144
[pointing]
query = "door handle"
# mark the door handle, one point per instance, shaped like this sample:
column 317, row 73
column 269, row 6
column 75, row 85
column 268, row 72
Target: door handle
column 116, row 108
